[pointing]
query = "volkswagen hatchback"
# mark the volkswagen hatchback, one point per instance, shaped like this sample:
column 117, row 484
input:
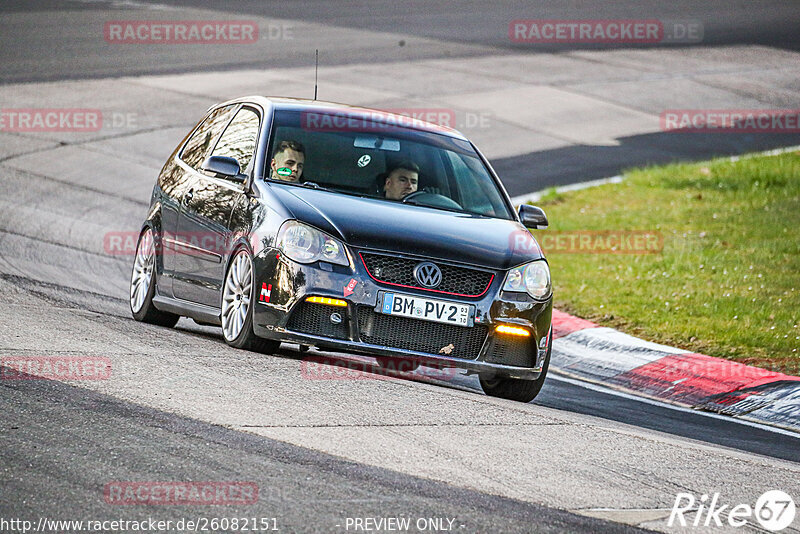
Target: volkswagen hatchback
column 347, row 229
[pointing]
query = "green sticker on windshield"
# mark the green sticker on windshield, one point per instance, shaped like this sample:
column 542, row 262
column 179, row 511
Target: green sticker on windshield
column 285, row 171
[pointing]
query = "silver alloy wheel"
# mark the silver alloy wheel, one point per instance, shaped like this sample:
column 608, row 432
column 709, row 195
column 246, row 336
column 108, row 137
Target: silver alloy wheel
column 236, row 295
column 142, row 275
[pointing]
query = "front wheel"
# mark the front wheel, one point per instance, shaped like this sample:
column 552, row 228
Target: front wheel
column 516, row 389
column 237, row 307
column 143, row 284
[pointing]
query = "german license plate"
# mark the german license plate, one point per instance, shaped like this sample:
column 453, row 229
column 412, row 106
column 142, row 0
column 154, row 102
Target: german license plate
column 438, row 311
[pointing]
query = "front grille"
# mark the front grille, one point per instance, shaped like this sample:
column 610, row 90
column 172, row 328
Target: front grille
column 311, row 318
column 400, row 271
column 511, row 351
column 420, row 336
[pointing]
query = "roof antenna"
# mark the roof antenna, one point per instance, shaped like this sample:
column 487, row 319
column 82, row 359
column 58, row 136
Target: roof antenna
column 316, row 71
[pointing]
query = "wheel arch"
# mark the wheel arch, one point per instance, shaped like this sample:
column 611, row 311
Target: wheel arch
column 237, row 244
column 154, row 223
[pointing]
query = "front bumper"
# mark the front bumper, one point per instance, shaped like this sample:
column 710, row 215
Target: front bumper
column 286, row 285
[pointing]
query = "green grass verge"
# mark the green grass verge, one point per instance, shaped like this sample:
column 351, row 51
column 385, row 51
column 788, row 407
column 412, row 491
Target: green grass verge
column 727, row 281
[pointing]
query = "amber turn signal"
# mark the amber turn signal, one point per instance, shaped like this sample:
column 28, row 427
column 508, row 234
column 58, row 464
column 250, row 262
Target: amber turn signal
column 326, row 300
column 512, row 330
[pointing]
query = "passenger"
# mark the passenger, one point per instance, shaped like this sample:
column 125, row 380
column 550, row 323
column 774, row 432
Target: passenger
column 400, row 180
column 287, row 161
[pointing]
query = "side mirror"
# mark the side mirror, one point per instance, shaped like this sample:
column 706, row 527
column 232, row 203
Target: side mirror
column 225, row 167
column 532, row 217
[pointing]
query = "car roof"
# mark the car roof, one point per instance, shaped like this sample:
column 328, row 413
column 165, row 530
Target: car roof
column 320, row 106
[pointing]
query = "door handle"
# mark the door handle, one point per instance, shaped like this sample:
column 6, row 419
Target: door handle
column 188, row 196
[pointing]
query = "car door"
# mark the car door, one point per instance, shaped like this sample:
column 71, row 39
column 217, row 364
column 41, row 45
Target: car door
column 179, row 180
column 204, row 219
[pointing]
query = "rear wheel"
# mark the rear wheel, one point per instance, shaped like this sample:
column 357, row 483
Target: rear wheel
column 516, row 389
column 237, row 307
column 143, row 284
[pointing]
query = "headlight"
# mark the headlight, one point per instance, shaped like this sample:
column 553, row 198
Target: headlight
column 532, row 278
column 305, row 244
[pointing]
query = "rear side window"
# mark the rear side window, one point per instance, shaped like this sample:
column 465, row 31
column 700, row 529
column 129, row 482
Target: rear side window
column 203, row 138
column 239, row 139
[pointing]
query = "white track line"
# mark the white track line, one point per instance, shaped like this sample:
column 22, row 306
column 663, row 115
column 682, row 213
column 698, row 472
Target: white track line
column 730, row 419
column 535, row 196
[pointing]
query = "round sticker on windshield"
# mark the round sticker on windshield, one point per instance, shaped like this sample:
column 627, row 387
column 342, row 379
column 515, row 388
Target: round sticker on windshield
column 285, row 171
column 364, row 160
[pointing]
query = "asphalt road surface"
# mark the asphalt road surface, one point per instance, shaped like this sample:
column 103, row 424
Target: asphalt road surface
column 182, row 406
column 59, row 467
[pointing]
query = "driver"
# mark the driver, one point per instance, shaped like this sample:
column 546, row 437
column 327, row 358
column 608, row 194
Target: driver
column 401, row 180
column 287, row 161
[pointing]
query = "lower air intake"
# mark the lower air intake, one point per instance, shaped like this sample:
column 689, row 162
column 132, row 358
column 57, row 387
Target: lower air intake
column 310, row 318
column 420, row 336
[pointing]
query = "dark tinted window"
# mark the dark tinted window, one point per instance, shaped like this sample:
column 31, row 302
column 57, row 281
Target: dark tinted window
column 239, row 139
column 200, row 143
column 472, row 188
column 354, row 154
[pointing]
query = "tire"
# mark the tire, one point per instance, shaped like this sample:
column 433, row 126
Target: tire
column 516, row 389
column 397, row 364
column 238, row 301
column 143, row 284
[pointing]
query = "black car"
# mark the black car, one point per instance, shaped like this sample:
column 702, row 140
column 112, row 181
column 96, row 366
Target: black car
column 347, row 229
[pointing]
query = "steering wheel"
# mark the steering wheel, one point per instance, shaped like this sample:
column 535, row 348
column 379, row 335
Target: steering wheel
column 433, row 200
column 415, row 194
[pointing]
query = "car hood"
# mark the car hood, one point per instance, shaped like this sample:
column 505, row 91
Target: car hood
column 366, row 223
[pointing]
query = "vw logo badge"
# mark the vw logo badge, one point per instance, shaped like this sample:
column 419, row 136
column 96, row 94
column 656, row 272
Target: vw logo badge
column 428, row 274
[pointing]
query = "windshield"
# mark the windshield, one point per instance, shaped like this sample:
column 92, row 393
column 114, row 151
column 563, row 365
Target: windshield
column 375, row 156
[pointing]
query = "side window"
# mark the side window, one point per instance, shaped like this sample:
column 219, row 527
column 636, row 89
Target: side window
column 239, row 139
column 200, row 143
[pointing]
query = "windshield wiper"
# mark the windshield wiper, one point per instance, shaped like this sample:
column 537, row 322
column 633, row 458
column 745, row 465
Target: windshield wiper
column 412, row 202
column 313, row 185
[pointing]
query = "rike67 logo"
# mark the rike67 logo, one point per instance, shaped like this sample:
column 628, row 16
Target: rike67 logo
column 774, row 511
